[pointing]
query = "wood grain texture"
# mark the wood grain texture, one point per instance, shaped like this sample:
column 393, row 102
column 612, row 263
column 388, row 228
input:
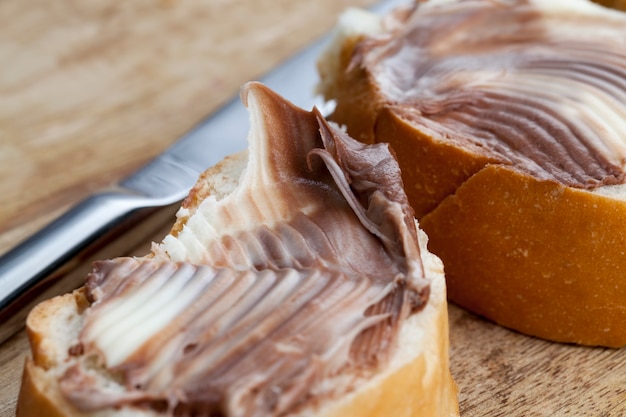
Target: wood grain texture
column 91, row 90
column 503, row 373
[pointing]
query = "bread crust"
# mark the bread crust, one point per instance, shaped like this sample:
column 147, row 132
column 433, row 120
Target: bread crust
column 614, row 4
column 535, row 256
column 34, row 398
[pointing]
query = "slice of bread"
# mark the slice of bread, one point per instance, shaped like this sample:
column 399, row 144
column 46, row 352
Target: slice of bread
column 295, row 282
column 509, row 121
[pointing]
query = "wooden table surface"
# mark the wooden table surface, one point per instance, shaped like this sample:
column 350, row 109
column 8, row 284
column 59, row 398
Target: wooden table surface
column 91, row 90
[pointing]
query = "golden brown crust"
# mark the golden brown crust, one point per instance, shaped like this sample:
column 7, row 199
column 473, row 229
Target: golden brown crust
column 38, row 397
column 614, row 4
column 555, row 264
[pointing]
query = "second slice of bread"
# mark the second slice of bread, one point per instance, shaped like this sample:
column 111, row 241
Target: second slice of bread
column 523, row 243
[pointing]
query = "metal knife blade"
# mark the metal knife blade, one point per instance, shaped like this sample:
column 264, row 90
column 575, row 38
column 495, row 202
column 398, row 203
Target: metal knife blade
column 45, row 264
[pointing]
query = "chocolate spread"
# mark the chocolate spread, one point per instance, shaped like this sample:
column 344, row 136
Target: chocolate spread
column 536, row 84
column 287, row 290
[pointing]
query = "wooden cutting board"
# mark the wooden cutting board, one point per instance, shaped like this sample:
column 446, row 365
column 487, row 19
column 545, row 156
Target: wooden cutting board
column 91, row 90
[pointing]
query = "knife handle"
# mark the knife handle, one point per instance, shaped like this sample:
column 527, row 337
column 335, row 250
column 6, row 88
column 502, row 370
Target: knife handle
column 39, row 267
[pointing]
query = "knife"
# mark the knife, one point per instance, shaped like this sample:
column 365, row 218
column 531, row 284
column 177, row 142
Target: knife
column 47, row 263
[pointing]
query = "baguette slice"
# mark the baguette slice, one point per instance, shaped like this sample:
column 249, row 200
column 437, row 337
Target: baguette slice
column 295, row 282
column 509, row 122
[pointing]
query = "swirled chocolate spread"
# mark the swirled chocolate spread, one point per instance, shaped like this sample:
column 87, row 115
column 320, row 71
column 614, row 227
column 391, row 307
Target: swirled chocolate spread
column 540, row 85
column 287, row 287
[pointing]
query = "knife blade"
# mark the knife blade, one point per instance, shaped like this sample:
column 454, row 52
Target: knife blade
column 47, row 263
